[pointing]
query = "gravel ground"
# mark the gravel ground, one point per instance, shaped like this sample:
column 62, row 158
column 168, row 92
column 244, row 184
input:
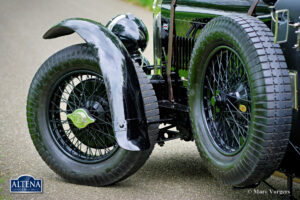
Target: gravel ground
column 172, row 172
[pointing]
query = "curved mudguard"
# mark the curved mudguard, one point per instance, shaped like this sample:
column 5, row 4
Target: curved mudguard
column 121, row 81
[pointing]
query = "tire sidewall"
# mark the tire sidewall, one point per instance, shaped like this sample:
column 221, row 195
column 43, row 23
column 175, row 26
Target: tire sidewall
column 222, row 36
column 46, row 145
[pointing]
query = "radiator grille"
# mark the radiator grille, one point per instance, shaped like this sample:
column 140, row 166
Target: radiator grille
column 182, row 51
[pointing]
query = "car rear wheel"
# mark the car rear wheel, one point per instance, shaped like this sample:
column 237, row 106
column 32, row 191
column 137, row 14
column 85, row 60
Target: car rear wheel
column 240, row 100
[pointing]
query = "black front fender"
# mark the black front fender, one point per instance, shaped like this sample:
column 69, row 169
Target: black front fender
column 123, row 90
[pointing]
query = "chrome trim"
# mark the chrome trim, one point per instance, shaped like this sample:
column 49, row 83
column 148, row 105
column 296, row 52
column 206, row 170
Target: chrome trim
column 298, row 43
column 276, row 21
column 294, row 79
column 157, row 52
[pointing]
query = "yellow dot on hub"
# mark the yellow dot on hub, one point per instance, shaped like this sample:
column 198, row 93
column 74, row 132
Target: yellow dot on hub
column 243, row 108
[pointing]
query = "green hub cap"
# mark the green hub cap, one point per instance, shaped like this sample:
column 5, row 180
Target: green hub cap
column 80, row 118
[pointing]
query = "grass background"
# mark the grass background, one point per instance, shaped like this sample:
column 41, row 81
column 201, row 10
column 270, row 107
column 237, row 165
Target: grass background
column 145, row 3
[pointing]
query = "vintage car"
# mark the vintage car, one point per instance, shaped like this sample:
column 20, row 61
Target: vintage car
column 225, row 74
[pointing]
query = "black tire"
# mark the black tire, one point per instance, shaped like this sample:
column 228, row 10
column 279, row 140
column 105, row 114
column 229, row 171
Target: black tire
column 242, row 146
column 121, row 163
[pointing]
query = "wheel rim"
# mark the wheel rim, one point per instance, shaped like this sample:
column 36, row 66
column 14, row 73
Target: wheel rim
column 226, row 100
column 81, row 95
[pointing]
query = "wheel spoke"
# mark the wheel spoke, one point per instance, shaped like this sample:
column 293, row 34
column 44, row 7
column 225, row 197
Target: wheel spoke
column 212, row 91
column 237, row 110
column 233, row 133
column 101, row 120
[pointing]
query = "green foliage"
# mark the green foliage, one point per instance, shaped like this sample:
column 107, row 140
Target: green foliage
column 2, row 196
column 2, row 179
column 145, row 3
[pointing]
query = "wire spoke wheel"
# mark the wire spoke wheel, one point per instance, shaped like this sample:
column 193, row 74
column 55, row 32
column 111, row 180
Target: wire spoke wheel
column 226, row 100
column 239, row 98
column 70, row 123
column 85, row 91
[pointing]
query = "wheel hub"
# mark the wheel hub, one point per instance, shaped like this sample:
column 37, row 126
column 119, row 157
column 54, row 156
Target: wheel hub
column 97, row 106
column 221, row 97
column 219, row 100
column 81, row 118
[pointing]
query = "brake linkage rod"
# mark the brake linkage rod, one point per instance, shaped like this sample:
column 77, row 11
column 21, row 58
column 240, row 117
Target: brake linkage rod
column 170, row 50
